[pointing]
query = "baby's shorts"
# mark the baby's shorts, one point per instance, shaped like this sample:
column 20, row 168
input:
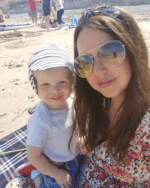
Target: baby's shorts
column 71, row 166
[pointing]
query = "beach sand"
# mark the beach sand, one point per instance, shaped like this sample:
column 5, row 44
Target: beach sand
column 16, row 94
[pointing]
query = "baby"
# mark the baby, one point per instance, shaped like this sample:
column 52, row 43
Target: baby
column 50, row 126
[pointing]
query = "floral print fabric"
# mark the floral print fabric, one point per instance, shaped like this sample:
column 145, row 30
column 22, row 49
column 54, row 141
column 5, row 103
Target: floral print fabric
column 100, row 169
column 21, row 181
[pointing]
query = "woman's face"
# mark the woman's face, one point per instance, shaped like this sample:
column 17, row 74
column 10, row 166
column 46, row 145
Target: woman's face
column 109, row 81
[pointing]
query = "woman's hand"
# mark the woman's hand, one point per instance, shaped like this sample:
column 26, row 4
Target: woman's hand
column 81, row 145
column 63, row 178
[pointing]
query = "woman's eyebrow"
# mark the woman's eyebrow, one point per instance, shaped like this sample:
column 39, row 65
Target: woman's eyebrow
column 91, row 51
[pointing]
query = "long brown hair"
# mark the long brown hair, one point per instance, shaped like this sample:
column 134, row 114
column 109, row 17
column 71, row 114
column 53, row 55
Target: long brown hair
column 90, row 118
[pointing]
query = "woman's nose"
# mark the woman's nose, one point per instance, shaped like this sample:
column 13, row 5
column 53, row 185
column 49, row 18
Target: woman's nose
column 98, row 66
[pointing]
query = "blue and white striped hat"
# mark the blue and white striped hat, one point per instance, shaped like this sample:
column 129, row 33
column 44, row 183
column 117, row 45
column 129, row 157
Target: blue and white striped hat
column 51, row 56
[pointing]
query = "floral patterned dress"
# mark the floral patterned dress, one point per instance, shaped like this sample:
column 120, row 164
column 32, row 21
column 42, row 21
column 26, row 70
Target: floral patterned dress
column 100, row 169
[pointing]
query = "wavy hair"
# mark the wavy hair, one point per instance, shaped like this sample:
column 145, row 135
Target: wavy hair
column 90, row 118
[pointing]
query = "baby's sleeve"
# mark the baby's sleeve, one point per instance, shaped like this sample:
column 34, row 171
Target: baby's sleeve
column 37, row 132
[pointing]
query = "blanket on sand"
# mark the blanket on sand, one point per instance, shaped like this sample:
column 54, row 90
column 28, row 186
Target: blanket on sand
column 9, row 162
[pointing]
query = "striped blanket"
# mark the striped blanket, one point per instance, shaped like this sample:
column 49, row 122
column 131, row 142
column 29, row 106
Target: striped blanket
column 9, row 162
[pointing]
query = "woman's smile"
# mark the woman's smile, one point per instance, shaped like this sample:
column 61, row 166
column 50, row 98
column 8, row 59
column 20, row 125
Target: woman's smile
column 103, row 84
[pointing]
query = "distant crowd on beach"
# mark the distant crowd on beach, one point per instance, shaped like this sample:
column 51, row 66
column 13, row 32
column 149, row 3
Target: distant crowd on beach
column 49, row 8
column 51, row 16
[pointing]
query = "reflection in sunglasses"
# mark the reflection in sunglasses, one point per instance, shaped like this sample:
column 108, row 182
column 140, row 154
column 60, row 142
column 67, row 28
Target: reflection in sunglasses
column 83, row 65
column 111, row 53
column 85, row 71
column 114, row 55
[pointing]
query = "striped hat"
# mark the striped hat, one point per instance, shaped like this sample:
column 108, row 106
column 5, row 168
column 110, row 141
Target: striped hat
column 51, row 56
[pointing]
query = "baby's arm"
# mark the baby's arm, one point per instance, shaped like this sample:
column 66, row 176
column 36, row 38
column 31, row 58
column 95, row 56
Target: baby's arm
column 39, row 161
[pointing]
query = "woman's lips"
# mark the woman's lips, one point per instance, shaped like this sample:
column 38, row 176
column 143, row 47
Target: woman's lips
column 56, row 98
column 104, row 84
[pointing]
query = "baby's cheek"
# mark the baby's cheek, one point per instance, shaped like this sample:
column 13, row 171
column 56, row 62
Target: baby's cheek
column 43, row 89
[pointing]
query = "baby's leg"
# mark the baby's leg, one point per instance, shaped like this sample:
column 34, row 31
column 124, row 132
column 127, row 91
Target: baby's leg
column 36, row 176
column 37, row 182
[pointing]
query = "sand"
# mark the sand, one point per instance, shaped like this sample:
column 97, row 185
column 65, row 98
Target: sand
column 16, row 94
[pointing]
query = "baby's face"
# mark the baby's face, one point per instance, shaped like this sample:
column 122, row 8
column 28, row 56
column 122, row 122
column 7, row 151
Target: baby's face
column 54, row 86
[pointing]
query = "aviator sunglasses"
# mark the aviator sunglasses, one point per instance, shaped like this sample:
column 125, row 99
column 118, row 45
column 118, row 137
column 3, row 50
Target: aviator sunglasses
column 111, row 54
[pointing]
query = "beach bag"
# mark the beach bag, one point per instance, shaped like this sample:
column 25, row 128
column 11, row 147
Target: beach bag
column 74, row 21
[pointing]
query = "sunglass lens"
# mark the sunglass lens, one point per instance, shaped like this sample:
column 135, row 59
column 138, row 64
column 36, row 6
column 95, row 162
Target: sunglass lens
column 111, row 53
column 83, row 65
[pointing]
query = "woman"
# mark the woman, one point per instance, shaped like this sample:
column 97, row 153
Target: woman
column 112, row 100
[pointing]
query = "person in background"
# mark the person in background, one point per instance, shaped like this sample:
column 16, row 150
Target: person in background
column 2, row 18
column 47, row 5
column 53, row 13
column 52, row 21
column 60, row 12
column 112, row 100
column 32, row 8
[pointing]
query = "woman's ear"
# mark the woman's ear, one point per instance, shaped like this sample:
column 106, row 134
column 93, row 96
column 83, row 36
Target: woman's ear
column 73, row 81
column 73, row 77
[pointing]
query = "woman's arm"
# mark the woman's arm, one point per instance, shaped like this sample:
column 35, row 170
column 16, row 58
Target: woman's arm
column 81, row 145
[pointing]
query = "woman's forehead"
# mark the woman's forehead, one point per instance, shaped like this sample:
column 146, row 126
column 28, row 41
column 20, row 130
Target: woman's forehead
column 91, row 38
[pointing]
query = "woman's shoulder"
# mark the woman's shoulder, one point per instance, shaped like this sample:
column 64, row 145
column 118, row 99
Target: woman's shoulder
column 144, row 126
column 146, row 117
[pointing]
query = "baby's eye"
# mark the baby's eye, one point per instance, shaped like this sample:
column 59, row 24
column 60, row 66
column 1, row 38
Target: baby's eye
column 62, row 82
column 46, row 84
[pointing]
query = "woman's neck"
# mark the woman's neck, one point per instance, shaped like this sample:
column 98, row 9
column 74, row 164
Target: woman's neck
column 115, row 104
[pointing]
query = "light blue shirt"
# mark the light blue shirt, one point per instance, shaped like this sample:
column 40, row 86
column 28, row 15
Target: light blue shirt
column 51, row 129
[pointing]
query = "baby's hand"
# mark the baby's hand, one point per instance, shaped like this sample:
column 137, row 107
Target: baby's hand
column 81, row 146
column 63, row 178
